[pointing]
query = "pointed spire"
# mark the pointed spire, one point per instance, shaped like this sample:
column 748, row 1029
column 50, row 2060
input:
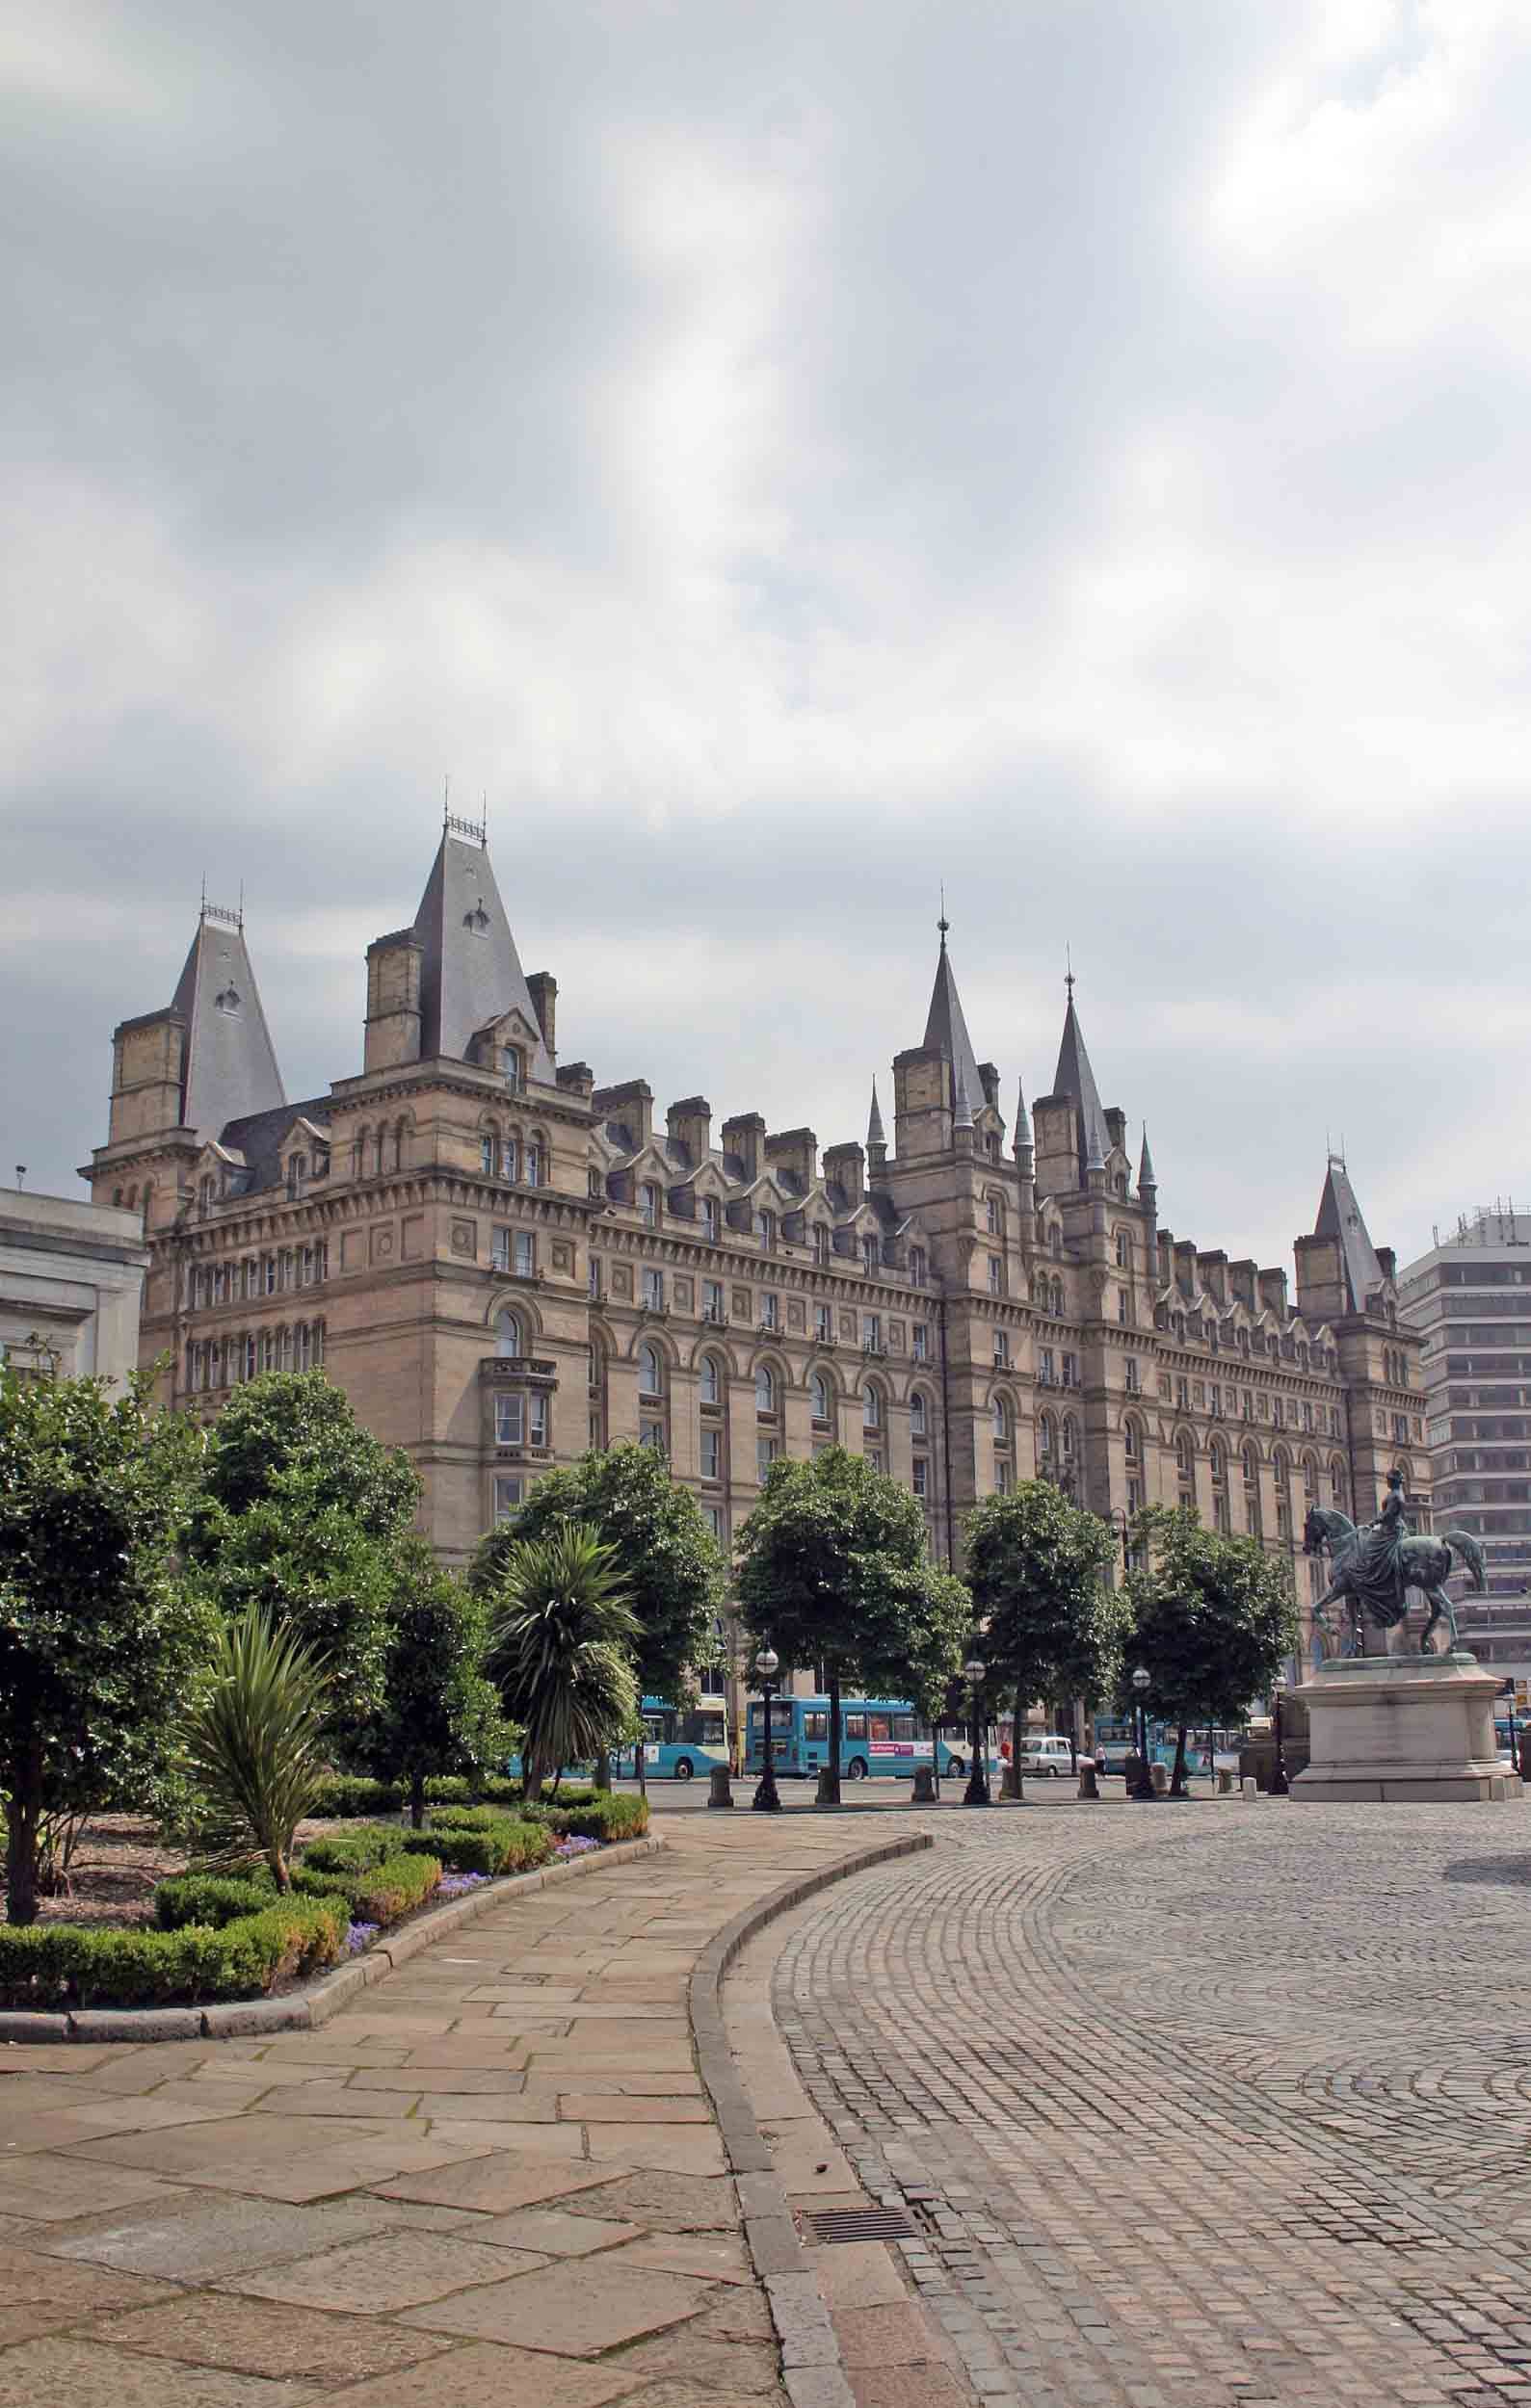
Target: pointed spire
column 231, row 1064
column 1022, row 1136
column 470, row 972
column 945, row 1028
column 963, row 1116
column 874, row 1134
column 1339, row 1216
column 1145, row 1178
column 1075, row 1079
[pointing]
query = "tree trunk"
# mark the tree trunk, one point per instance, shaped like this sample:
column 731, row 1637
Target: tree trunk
column 1177, row 1787
column 23, row 1828
column 833, row 1787
column 603, row 1768
column 417, row 1799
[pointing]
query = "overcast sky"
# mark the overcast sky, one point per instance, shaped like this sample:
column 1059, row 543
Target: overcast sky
column 786, row 457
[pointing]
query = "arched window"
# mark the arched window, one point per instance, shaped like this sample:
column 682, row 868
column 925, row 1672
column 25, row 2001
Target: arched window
column 1185, row 1467
column 116, row 1196
column 535, row 1159
column 822, row 1410
column 916, row 1415
column 1131, row 1444
column 991, row 1215
column 1069, row 1435
column 871, row 1407
column 1055, row 1243
column 1220, row 1488
column 765, row 1390
column 1046, row 1449
column 1339, row 1486
column 1000, row 1417
column 1282, row 1465
column 1406, row 1471
column 1310, row 1483
column 650, row 1371
column 1252, row 1491
column 711, row 1381
column 507, row 1335
column 1057, row 1300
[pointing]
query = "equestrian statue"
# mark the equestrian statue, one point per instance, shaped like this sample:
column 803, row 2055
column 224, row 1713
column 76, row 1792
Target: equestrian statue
column 1374, row 1567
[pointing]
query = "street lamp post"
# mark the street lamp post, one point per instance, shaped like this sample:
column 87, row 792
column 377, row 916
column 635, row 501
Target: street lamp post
column 1143, row 1789
column 766, row 1800
column 976, row 1793
column 1280, row 1787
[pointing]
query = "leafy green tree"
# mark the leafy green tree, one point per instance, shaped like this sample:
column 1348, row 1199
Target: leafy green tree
column 1036, row 1564
column 562, row 1648
column 440, row 1711
column 256, row 1743
column 303, row 1513
column 1214, row 1618
column 832, row 1569
column 100, row 1637
column 673, row 1572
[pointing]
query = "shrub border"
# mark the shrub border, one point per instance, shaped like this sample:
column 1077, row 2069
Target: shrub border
column 311, row 2004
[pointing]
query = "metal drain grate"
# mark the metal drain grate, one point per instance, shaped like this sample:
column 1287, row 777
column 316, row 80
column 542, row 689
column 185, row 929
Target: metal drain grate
column 859, row 2224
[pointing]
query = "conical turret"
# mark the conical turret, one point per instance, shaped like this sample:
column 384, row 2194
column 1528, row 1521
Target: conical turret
column 229, row 1064
column 1075, row 1079
column 876, row 1139
column 1148, row 1184
column 470, row 973
column 946, row 1029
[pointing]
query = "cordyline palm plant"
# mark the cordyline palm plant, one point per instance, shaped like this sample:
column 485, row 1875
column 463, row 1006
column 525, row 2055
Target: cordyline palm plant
column 256, row 1744
column 562, row 1649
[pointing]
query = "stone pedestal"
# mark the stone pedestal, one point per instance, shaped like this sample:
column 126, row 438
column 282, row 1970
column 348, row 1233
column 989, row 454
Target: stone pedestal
column 1403, row 1730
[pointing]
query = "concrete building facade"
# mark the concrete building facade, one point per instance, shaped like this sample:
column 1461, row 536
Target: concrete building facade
column 71, row 1282
column 1469, row 1298
column 504, row 1260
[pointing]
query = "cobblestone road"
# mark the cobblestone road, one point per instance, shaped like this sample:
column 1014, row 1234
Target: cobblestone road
column 1222, row 2104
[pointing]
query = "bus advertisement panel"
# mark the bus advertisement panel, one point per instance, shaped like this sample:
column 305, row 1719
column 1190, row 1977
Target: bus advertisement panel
column 881, row 1739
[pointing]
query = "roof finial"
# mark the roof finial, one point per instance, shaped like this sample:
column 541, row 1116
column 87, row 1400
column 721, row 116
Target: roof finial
column 943, row 924
column 1069, row 973
column 446, row 799
column 875, row 1133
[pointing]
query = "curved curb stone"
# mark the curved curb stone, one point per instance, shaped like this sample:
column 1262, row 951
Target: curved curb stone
column 811, row 2365
column 304, row 2009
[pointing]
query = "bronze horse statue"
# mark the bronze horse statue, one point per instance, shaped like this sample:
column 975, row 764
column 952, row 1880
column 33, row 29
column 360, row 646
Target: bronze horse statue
column 1424, row 1563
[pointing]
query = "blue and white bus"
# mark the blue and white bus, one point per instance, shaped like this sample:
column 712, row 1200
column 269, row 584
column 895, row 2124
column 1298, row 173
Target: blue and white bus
column 881, row 1738
column 681, row 1742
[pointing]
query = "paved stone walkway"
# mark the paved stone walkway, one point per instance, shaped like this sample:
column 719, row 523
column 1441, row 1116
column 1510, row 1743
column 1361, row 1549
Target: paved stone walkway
column 493, row 2180
column 1194, row 2106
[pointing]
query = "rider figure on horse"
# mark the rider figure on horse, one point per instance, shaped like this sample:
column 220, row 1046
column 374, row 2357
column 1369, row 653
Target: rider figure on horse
column 1377, row 1561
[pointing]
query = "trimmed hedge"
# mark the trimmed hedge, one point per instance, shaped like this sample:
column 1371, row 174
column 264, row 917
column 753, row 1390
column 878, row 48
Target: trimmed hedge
column 498, row 1843
column 211, row 1899
column 345, row 1795
column 608, row 1815
column 358, row 1852
column 395, row 1887
column 47, row 1966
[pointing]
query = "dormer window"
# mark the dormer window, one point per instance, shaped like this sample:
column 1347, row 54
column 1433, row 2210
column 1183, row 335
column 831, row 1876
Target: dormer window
column 227, row 1001
column 477, row 920
column 513, row 1066
column 649, row 1204
column 869, row 1255
column 821, row 1242
column 709, row 1218
column 296, row 1173
column 766, row 1230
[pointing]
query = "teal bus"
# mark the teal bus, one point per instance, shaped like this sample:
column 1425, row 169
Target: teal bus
column 881, row 1738
column 679, row 1741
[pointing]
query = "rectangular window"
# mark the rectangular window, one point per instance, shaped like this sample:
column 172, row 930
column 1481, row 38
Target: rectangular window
column 921, row 1477
column 1002, row 1475
column 709, row 1217
column 1130, row 1373
column 507, row 1499
column 995, row 1274
column 594, row 1278
column 270, row 1267
column 1071, row 1370
column 500, row 1251
column 1134, row 1496
column 765, row 1455
column 1001, row 1350
column 712, row 1454
column 920, row 1335
column 653, row 1290
column 1217, row 1402
column 872, row 1332
column 713, row 1516
column 712, row 1309
column 874, row 1457
column 487, row 1157
column 824, row 1325
column 510, row 1418
column 1277, row 1411
column 769, row 1308
column 539, row 1421
column 651, row 1434
column 648, row 1205
column 525, row 1255
column 1182, row 1394
column 1047, row 1371
column 533, row 1166
column 509, row 1159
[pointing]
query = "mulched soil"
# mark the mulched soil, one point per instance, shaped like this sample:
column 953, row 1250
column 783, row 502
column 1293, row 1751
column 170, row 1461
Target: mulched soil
column 117, row 1865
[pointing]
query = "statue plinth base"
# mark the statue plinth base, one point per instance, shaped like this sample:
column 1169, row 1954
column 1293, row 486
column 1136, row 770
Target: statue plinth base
column 1403, row 1730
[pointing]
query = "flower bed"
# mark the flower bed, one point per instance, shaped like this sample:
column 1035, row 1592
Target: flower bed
column 220, row 1937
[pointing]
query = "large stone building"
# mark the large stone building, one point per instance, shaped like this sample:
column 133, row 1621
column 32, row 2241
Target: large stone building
column 503, row 1261
column 71, row 1280
column 1470, row 1301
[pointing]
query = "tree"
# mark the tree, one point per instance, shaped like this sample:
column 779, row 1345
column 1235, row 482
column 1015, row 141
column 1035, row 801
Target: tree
column 440, row 1711
column 561, row 1648
column 1213, row 1620
column 302, row 1513
column 1036, row 1564
column 100, row 1637
column 255, row 1743
column 832, row 1569
column 672, row 1569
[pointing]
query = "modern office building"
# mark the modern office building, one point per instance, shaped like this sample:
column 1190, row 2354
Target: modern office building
column 1469, row 1298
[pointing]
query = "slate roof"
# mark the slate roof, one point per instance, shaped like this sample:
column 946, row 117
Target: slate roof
column 259, row 1137
column 1339, row 1216
column 230, row 1062
column 1075, row 1079
column 946, row 1030
column 470, row 972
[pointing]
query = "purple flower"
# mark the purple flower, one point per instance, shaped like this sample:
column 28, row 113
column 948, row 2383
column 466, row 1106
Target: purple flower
column 359, row 1936
column 567, row 1849
column 455, row 1884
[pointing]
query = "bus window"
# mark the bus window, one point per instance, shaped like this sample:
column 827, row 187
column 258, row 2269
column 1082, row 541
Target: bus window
column 815, row 1726
column 854, row 1725
column 904, row 1726
column 879, row 1726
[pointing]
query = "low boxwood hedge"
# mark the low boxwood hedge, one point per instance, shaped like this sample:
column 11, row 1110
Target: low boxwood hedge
column 209, row 1898
column 345, row 1795
column 496, row 1843
column 49, row 1966
column 607, row 1815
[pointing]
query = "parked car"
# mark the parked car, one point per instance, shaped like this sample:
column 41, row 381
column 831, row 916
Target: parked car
column 1045, row 1752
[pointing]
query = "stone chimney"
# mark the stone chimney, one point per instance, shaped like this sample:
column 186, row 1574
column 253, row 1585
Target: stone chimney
column 542, row 989
column 393, row 1001
column 632, row 1105
column 796, row 1150
column 845, row 1168
column 743, row 1135
column 690, row 1123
